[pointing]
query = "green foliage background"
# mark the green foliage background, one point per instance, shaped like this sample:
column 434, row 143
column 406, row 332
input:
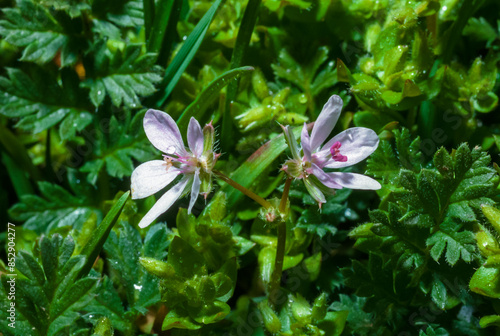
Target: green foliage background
column 418, row 257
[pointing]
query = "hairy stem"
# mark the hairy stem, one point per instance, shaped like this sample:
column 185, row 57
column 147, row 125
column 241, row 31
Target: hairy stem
column 280, row 249
column 274, row 285
column 244, row 190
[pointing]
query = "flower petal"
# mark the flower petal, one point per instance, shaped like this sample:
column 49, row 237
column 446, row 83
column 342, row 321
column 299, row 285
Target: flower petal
column 326, row 121
column 150, row 177
column 325, row 178
column 290, row 140
column 164, row 203
column 357, row 144
column 355, row 181
column 306, row 142
column 195, row 190
column 163, row 132
column 195, row 137
column 314, row 191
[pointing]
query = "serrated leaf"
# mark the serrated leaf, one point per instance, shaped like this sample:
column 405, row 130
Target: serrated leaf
column 56, row 207
column 117, row 149
column 130, row 75
column 459, row 245
column 41, row 102
column 30, row 25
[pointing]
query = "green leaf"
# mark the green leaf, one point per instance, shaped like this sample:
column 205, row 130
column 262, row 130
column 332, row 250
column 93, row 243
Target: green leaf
column 388, row 159
column 459, row 245
column 93, row 247
column 186, row 261
column 56, row 208
column 307, row 77
column 172, row 320
column 125, row 13
column 116, row 150
column 41, row 102
column 242, row 41
column 186, row 53
column 30, row 25
column 51, row 299
column 246, row 173
column 198, row 107
column 125, row 76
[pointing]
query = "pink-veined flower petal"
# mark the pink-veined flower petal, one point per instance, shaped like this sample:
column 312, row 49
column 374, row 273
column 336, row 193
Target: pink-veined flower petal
column 163, row 133
column 164, row 203
column 306, row 143
column 357, row 144
column 355, row 181
column 195, row 137
column 150, row 177
column 325, row 178
column 195, row 190
column 326, row 122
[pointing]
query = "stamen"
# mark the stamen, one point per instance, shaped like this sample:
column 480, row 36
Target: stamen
column 168, row 161
column 334, row 150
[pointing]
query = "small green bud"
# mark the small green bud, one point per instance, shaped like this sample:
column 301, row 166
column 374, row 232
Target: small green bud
column 271, row 320
column 487, row 243
column 486, row 281
column 103, row 327
column 208, row 138
column 157, row 267
column 206, row 184
column 319, row 308
column 281, row 96
column 259, row 84
column 301, row 309
column 291, row 118
column 493, row 261
column 493, row 215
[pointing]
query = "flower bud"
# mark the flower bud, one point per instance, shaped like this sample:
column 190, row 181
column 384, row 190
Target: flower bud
column 103, row 327
column 301, row 309
column 208, row 138
column 487, row 243
column 157, row 267
column 493, row 215
column 259, row 84
column 319, row 308
column 206, row 184
column 271, row 320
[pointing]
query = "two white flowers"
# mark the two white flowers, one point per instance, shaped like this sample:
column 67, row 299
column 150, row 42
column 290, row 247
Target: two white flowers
column 191, row 168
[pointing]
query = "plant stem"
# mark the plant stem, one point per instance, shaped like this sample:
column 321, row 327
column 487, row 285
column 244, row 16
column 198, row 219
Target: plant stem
column 280, row 249
column 284, row 197
column 244, row 190
column 274, row 285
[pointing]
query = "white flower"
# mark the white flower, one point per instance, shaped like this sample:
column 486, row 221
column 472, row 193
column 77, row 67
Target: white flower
column 193, row 164
column 343, row 150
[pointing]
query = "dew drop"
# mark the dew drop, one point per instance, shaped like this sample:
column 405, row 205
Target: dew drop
column 171, row 150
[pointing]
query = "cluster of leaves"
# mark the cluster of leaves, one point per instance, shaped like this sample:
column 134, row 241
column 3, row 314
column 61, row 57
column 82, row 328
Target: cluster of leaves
column 421, row 239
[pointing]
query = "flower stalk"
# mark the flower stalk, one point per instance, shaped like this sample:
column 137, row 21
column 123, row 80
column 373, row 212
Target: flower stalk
column 274, row 285
column 244, row 190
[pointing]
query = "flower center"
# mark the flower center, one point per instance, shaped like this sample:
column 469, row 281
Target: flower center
column 297, row 168
column 335, row 151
